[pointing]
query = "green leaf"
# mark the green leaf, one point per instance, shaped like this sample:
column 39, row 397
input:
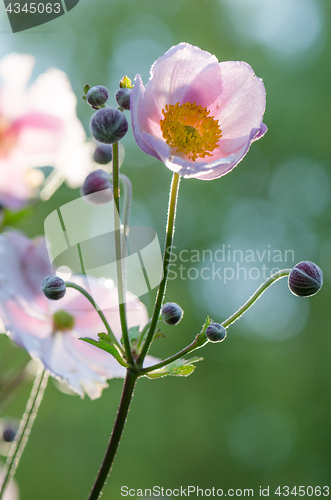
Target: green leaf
column 126, row 83
column 14, row 218
column 179, row 368
column 134, row 336
column 158, row 335
column 134, row 333
column 201, row 338
column 84, row 97
column 86, row 88
column 107, row 346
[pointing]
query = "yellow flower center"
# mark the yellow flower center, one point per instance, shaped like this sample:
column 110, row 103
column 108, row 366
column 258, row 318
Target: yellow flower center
column 189, row 128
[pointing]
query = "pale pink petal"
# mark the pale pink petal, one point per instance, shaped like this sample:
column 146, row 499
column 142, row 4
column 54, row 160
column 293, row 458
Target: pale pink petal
column 15, row 72
column 140, row 121
column 22, row 264
column 59, row 355
column 11, row 491
column 241, row 104
column 172, row 76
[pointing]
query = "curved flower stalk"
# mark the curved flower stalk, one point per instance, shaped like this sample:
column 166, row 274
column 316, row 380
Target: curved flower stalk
column 50, row 330
column 196, row 115
column 38, row 127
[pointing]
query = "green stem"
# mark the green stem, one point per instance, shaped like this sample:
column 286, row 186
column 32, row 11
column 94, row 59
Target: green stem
column 194, row 345
column 143, row 332
column 127, row 202
column 118, row 255
column 255, row 296
column 70, row 284
column 24, row 430
column 170, row 230
column 123, row 409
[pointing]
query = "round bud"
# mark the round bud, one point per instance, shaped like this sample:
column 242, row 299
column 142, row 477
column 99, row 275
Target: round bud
column 97, row 96
column 9, row 433
column 53, row 287
column 215, row 332
column 97, row 187
column 122, row 97
column 171, row 313
column 103, row 154
column 108, row 125
column 305, row 279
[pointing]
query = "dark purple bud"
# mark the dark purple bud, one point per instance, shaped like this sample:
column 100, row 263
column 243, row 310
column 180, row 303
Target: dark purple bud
column 171, row 313
column 97, row 96
column 305, row 279
column 215, row 332
column 53, row 287
column 9, row 433
column 97, row 187
column 122, row 97
column 108, row 125
column 103, row 154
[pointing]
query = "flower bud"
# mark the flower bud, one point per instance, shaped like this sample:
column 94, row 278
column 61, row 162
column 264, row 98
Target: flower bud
column 9, row 433
column 305, row 279
column 103, row 154
column 108, row 125
column 122, row 97
column 97, row 96
column 215, row 332
column 97, row 187
column 53, row 287
column 171, row 313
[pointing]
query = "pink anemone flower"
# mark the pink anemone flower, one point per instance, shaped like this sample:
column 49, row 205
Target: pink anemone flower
column 38, row 127
column 50, row 330
column 196, row 115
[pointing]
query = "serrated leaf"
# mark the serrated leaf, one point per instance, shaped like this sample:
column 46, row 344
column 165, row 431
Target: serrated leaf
column 134, row 335
column 178, row 368
column 106, row 346
column 201, row 338
column 86, row 88
column 158, row 335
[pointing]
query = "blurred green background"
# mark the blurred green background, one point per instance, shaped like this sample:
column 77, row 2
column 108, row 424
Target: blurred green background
column 257, row 411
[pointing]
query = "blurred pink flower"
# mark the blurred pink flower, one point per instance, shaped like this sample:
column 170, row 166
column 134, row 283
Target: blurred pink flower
column 196, row 115
column 38, row 127
column 11, row 491
column 29, row 317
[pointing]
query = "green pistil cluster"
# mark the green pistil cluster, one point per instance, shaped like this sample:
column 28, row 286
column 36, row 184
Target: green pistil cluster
column 62, row 320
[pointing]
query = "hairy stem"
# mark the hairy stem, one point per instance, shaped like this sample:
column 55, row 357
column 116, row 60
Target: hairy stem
column 123, row 409
column 118, row 255
column 24, row 430
column 170, row 230
column 255, row 296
